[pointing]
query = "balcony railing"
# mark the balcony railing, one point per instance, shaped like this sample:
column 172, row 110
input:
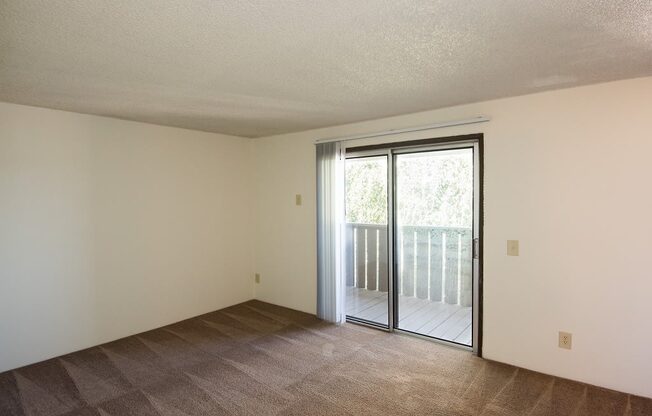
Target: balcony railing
column 434, row 262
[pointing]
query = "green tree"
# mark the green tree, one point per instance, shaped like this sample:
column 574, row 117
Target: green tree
column 366, row 191
column 433, row 189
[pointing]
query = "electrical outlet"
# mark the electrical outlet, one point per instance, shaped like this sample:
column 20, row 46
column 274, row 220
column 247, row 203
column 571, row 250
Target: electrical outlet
column 512, row 247
column 257, row 278
column 565, row 340
column 297, row 199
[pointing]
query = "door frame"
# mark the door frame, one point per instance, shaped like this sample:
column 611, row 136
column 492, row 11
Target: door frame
column 475, row 141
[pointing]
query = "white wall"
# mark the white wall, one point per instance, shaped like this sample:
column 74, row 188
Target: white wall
column 109, row 228
column 568, row 174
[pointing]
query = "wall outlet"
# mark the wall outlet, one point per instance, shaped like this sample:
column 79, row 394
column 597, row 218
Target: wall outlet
column 297, row 199
column 565, row 340
column 257, row 277
column 512, row 247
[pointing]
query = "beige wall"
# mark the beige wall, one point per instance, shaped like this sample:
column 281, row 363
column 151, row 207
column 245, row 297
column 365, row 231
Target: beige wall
column 110, row 227
column 568, row 174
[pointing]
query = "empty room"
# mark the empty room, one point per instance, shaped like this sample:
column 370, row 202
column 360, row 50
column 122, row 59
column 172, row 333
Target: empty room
column 325, row 208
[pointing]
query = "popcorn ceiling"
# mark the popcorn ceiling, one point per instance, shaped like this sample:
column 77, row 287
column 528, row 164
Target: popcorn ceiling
column 257, row 68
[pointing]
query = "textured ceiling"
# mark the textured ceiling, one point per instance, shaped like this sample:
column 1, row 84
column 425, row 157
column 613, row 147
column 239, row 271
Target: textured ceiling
column 261, row 67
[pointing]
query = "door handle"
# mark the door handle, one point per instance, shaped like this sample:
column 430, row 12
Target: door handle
column 476, row 248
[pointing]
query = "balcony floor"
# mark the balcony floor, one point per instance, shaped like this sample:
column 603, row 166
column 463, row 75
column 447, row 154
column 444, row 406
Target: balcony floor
column 423, row 316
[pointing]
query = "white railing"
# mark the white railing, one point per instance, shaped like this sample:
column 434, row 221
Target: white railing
column 433, row 262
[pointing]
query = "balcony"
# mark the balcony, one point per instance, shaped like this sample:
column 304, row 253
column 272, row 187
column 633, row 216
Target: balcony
column 434, row 285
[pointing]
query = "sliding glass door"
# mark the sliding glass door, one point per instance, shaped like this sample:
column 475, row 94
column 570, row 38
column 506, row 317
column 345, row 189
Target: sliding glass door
column 366, row 239
column 412, row 239
column 434, row 243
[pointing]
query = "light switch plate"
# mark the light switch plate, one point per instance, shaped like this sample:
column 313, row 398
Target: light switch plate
column 512, row 247
column 297, row 199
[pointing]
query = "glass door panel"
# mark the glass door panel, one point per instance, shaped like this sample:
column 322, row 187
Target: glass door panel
column 434, row 193
column 366, row 238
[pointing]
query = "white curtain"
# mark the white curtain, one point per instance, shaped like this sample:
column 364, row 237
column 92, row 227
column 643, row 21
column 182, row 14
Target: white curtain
column 330, row 223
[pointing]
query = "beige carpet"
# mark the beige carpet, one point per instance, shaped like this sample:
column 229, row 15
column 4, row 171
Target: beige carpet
column 261, row 359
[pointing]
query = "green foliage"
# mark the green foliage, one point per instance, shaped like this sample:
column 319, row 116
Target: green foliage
column 366, row 191
column 433, row 189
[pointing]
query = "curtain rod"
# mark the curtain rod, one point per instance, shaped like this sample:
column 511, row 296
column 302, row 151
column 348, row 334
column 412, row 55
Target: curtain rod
column 474, row 120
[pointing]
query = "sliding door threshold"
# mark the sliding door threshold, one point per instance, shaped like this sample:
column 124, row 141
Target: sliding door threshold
column 364, row 322
column 374, row 325
column 433, row 339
